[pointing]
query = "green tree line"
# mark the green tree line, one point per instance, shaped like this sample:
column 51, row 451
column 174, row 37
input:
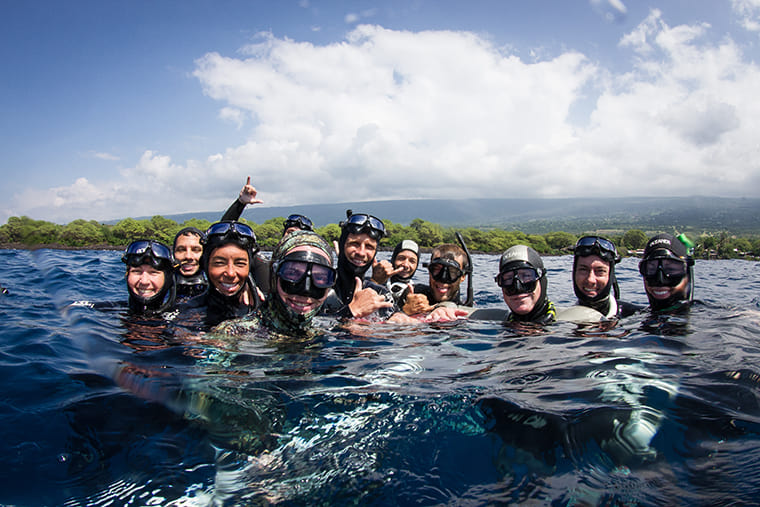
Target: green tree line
column 82, row 233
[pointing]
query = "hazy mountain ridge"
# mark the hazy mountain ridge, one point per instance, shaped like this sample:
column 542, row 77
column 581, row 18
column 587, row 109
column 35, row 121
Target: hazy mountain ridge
column 536, row 216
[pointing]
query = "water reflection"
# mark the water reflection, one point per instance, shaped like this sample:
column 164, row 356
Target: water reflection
column 104, row 409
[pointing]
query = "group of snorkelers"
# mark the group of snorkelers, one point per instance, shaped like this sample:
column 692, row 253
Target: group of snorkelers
column 220, row 275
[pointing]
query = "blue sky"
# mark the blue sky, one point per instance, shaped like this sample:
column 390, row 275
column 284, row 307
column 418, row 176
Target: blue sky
column 133, row 108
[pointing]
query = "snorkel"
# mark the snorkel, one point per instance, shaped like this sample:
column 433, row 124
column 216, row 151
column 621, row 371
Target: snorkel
column 689, row 263
column 467, row 269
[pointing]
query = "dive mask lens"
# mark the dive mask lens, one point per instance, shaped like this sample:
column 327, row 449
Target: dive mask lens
column 589, row 245
column 518, row 281
column 361, row 222
column 295, row 272
column 222, row 228
column 663, row 272
column 445, row 270
column 147, row 252
column 299, row 221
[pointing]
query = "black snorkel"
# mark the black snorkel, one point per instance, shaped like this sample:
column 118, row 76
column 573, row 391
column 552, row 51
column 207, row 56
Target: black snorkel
column 467, row 269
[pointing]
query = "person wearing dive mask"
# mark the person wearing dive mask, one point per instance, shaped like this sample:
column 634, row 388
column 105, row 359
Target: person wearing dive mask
column 228, row 251
column 522, row 278
column 667, row 269
column 594, row 281
column 303, row 270
column 447, row 269
column 150, row 277
column 352, row 295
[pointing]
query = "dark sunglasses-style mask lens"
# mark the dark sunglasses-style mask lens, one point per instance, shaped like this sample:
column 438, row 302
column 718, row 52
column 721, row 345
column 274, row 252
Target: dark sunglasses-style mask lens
column 221, row 228
column 300, row 222
column 445, row 270
column 668, row 272
column 147, row 252
column 525, row 275
column 587, row 245
column 295, row 271
column 366, row 223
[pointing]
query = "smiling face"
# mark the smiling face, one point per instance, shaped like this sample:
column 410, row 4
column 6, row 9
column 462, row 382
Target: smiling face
column 188, row 251
column 443, row 291
column 664, row 292
column 360, row 249
column 145, row 281
column 592, row 274
column 228, row 269
column 524, row 302
column 407, row 260
column 299, row 303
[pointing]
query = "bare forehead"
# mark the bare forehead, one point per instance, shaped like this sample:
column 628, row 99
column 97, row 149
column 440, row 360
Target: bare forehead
column 360, row 238
column 188, row 239
column 229, row 251
column 592, row 261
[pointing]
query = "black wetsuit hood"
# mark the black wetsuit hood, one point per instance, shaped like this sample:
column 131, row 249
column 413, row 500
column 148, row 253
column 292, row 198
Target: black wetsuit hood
column 161, row 302
column 524, row 256
column 348, row 271
column 601, row 302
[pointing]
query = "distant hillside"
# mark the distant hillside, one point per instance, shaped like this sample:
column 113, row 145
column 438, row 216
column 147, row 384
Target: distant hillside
column 538, row 216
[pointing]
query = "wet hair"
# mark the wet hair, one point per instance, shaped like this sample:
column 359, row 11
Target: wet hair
column 450, row 251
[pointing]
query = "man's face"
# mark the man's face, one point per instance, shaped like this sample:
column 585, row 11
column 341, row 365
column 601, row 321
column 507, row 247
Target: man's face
column 360, row 249
column 523, row 302
column 664, row 292
column 407, row 260
column 228, row 268
column 188, row 252
column 145, row 280
column 443, row 291
column 592, row 274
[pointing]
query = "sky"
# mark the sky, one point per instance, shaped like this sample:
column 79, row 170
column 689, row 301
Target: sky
column 112, row 108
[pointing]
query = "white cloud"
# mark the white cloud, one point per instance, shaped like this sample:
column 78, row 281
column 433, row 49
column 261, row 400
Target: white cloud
column 388, row 114
column 748, row 12
column 101, row 155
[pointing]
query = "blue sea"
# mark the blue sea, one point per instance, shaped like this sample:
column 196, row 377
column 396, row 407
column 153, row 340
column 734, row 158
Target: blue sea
column 97, row 408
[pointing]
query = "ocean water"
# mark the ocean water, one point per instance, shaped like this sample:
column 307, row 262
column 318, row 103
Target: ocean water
column 100, row 409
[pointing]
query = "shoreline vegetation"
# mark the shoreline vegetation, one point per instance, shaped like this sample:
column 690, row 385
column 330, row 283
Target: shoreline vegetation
column 24, row 233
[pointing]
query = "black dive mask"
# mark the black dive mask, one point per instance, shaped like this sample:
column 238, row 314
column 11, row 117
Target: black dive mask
column 361, row 223
column 445, row 270
column 663, row 271
column 521, row 280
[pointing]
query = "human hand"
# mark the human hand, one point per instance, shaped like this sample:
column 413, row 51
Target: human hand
column 416, row 303
column 383, row 270
column 366, row 301
column 446, row 313
column 248, row 194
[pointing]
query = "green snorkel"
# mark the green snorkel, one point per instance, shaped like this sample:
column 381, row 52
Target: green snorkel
column 689, row 262
column 468, row 269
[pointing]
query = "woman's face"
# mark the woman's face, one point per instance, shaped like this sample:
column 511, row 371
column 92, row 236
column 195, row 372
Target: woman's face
column 145, row 280
column 299, row 303
column 228, row 268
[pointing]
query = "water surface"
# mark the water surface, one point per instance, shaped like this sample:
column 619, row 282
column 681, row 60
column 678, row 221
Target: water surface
column 101, row 409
